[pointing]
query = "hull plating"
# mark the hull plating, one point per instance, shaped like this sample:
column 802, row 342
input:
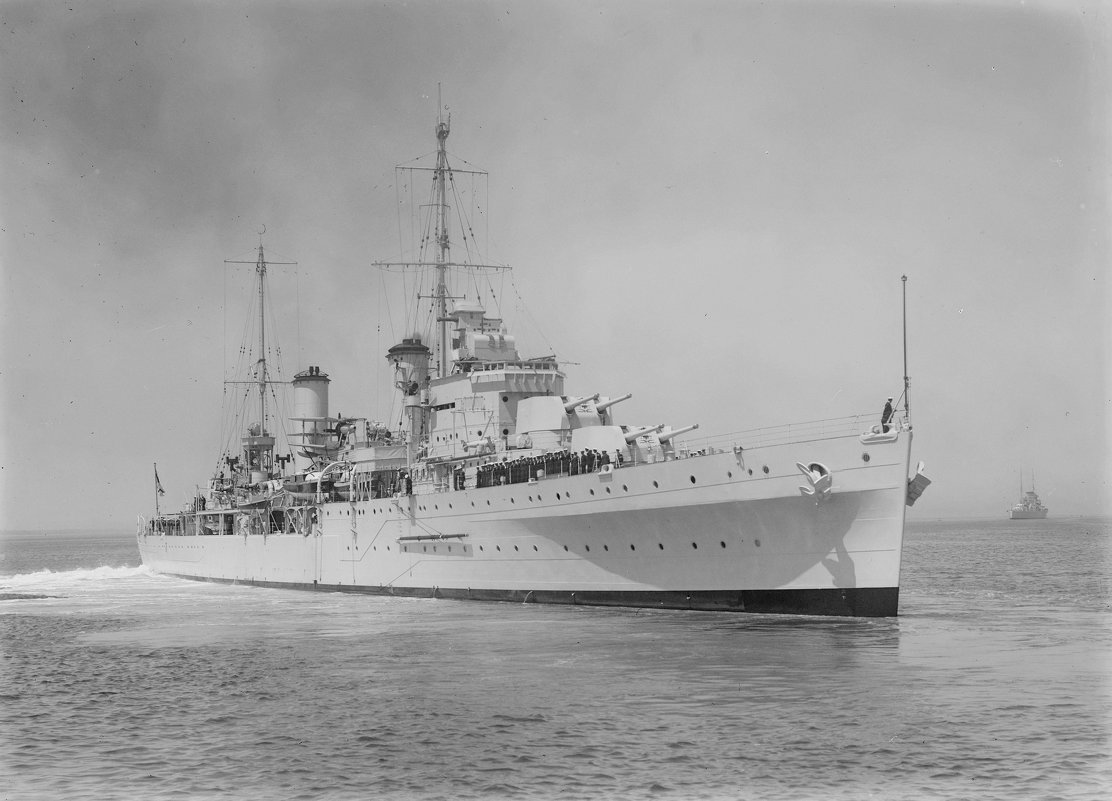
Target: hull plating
column 708, row 532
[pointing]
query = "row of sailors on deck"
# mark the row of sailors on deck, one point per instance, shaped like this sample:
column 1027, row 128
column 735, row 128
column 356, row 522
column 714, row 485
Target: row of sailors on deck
column 526, row 468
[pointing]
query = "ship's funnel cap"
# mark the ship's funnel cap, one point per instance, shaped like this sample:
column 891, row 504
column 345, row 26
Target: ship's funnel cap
column 408, row 347
column 312, row 374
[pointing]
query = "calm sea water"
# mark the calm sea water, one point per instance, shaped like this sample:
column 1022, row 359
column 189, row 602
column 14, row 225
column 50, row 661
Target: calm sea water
column 992, row 684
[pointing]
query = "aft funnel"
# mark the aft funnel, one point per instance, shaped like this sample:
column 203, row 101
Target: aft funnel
column 310, row 408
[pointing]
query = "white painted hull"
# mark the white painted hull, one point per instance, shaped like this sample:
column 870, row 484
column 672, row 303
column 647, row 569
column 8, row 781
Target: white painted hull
column 709, row 532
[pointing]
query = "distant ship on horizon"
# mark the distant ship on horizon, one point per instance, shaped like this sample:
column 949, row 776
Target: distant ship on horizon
column 1029, row 506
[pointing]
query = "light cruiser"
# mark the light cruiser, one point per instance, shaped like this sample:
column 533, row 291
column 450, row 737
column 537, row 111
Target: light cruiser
column 501, row 485
column 1030, row 507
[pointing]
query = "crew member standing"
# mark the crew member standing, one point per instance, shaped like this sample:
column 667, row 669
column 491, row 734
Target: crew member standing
column 886, row 416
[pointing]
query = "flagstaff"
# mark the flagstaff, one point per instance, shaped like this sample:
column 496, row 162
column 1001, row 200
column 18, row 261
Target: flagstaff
column 907, row 381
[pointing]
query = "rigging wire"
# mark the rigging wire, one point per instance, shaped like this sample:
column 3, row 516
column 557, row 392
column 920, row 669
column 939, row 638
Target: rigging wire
column 525, row 310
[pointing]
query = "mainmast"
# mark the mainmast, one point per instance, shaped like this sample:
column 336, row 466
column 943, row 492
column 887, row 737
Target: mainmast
column 258, row 445
column 260, row 269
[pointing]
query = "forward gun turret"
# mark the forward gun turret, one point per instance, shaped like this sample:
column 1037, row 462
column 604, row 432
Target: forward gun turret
column 570, row 405
column 633, row 435
column 675, row 432
column 606, row 404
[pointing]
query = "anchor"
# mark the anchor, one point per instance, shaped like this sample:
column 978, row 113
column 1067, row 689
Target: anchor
column 820, row 480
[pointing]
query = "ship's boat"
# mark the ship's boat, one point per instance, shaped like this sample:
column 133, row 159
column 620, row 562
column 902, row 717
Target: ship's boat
column 1029, row 506
column 500, row 483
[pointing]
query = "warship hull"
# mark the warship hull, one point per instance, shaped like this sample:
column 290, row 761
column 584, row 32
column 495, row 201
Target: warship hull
column 1028, row 514
column 729, row 530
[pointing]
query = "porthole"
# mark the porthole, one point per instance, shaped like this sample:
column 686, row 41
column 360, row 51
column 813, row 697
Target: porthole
column 660, row 545
column 695, row 545
column 565, row 547
column 608, row 490
column 516, row 548
column 765, row 469
column 625, row 488
column 425, row 548
column 588, row 547
column 488, row 503
column 633, row 547
column 656, row 485
column 535, row 548
column 472, row 504
column 567, row 495
column 693, row 479
column 512, row 500
column 505, row 432
column 729, row 474
column 530, row 497
column 865, row 457
column 606, row 547
column 480, row 547
column 557, row 496
column 750, row 471
column 592, row 492
column 723, row 544
column 757, row 543
column 498, row 547
column 505, row 399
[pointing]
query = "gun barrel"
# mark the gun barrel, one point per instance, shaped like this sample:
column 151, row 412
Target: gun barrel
column 576, row 401
column 675, row 432
column 606, row 404
column 632, row 435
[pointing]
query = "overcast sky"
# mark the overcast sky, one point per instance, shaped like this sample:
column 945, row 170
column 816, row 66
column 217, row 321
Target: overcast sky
column 708, row 204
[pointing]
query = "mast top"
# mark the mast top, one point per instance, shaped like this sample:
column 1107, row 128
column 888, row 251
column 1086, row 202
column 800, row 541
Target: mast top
column 442, row 127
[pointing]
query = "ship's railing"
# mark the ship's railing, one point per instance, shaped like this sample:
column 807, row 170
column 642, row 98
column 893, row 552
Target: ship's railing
column 530, row 469
column 521, row 364
column 808, row 431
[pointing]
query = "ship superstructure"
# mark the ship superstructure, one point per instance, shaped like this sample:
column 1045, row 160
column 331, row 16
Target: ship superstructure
column 501, row 484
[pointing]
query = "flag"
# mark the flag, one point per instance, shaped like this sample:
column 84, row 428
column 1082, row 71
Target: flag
column 158, row 484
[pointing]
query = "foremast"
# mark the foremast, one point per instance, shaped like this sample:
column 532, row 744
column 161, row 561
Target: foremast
column 416, row 367
column 443, row 243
